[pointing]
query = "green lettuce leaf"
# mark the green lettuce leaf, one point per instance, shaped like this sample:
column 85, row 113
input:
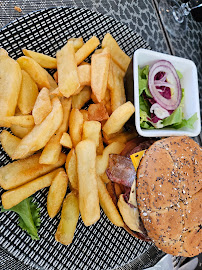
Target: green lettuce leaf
column 143, row 116
column 144, row 105
column 143, row 80
column 174, row 118
column 189, row 123
column 179, row 74
column 29, row 216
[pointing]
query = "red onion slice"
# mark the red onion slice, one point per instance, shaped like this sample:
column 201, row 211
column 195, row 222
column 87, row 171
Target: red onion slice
column 171, row 78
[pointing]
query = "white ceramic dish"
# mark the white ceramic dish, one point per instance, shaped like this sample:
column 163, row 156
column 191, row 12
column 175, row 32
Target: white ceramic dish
column 189, row 82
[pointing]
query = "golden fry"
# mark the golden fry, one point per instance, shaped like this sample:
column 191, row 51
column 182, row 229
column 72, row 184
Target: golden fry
column 37, row 73
column 20, row 120
column 75, row 126
column 84, row 73
column 43, row 60
column 88, row 190
column 57, row 193
column 79, row 100
column 97, row 112
column 9, row 142
column 71, row 169
column 28, row 94
column 91, row 131
column 10, row 82
column 20, row 131
column 66, row 140
column 69, row 219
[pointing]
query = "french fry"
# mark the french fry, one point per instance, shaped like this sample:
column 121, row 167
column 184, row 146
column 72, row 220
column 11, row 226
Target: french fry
column 107, row 204
column 57, row 193
column 66, row 140
column 19, row 131
column 75, row 126
column 88, row 190
column 40, row 134
column 94, row 99
column 85, row 115
column 68, row 80
column 114, row 70
column 99, row 73
column 103, row 160
column 69, row 219
column 107, row 96
column 100, row 148
column 10, row 82
column 79, row 100
column 86, row 49
column 52, row 149
column 118, row 56
column 9, row 142
column 22, row 171
column 97, row 112
column 123, row 137
column 56, row 93
column 43, row 60
column 84, row 73
column 37, row 73
column 78, row 43
column 108, row 107
column 130, row 215
column 104, row 178
column 28, row 94
column 42, row 106
column 71, row 169
column 14, row 196
column 20, row 120
column 118, row 118
column 91, row 131
column 116, row 87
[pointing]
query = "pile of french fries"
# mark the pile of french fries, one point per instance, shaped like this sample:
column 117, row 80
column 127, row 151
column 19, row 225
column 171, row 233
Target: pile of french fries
column 45, row 114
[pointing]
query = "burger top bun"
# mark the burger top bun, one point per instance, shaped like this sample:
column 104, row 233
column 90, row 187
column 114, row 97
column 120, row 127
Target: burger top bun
column 169, row 195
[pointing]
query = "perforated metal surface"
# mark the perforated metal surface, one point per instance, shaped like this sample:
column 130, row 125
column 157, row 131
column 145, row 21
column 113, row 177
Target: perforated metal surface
column 101, row 246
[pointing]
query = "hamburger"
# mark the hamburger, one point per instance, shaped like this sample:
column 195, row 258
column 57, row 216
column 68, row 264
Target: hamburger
column 162, row 196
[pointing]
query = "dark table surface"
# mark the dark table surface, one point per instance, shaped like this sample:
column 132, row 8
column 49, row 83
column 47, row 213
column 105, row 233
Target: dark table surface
column 140, row 15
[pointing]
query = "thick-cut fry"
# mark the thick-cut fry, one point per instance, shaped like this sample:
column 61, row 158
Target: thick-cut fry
column 9, row 142
column 57, row 193
column 123, row 137
column 116, row 86
column 56, row 93
column 66, row 140
column 20, row 120
column 99, row 73
column 103, row 160
column 91, row 131
column 42, row 106
column 107, row 204
column 43, row 60
column 108, row 107
column 14, row 196
column 71, row 169
column 55, row 76
column 78, row 101
column 104, row 178
column 78, row 43
column 86, row 50
column 85, row 115
column 68, row 80
column 100, row 147
column 88, row 190
column 69, row 219
column 53, row 148
column 28, row 94
column 22, row 171
column 84, row 73
column 130, row 214
column 41, row 134
column 119, row 57
column 118, row 118
column 75, row 126
column 19, row 131
column 37, row 73
column 10, row 82
column 97, row 112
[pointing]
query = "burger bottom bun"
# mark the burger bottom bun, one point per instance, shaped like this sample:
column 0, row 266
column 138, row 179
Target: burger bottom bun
column 169, row 195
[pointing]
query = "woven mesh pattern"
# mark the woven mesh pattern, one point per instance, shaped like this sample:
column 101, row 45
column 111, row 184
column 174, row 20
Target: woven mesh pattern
column 101, row 246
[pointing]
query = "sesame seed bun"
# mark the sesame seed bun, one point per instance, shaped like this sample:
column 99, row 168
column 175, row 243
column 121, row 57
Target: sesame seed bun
column 169, row 195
